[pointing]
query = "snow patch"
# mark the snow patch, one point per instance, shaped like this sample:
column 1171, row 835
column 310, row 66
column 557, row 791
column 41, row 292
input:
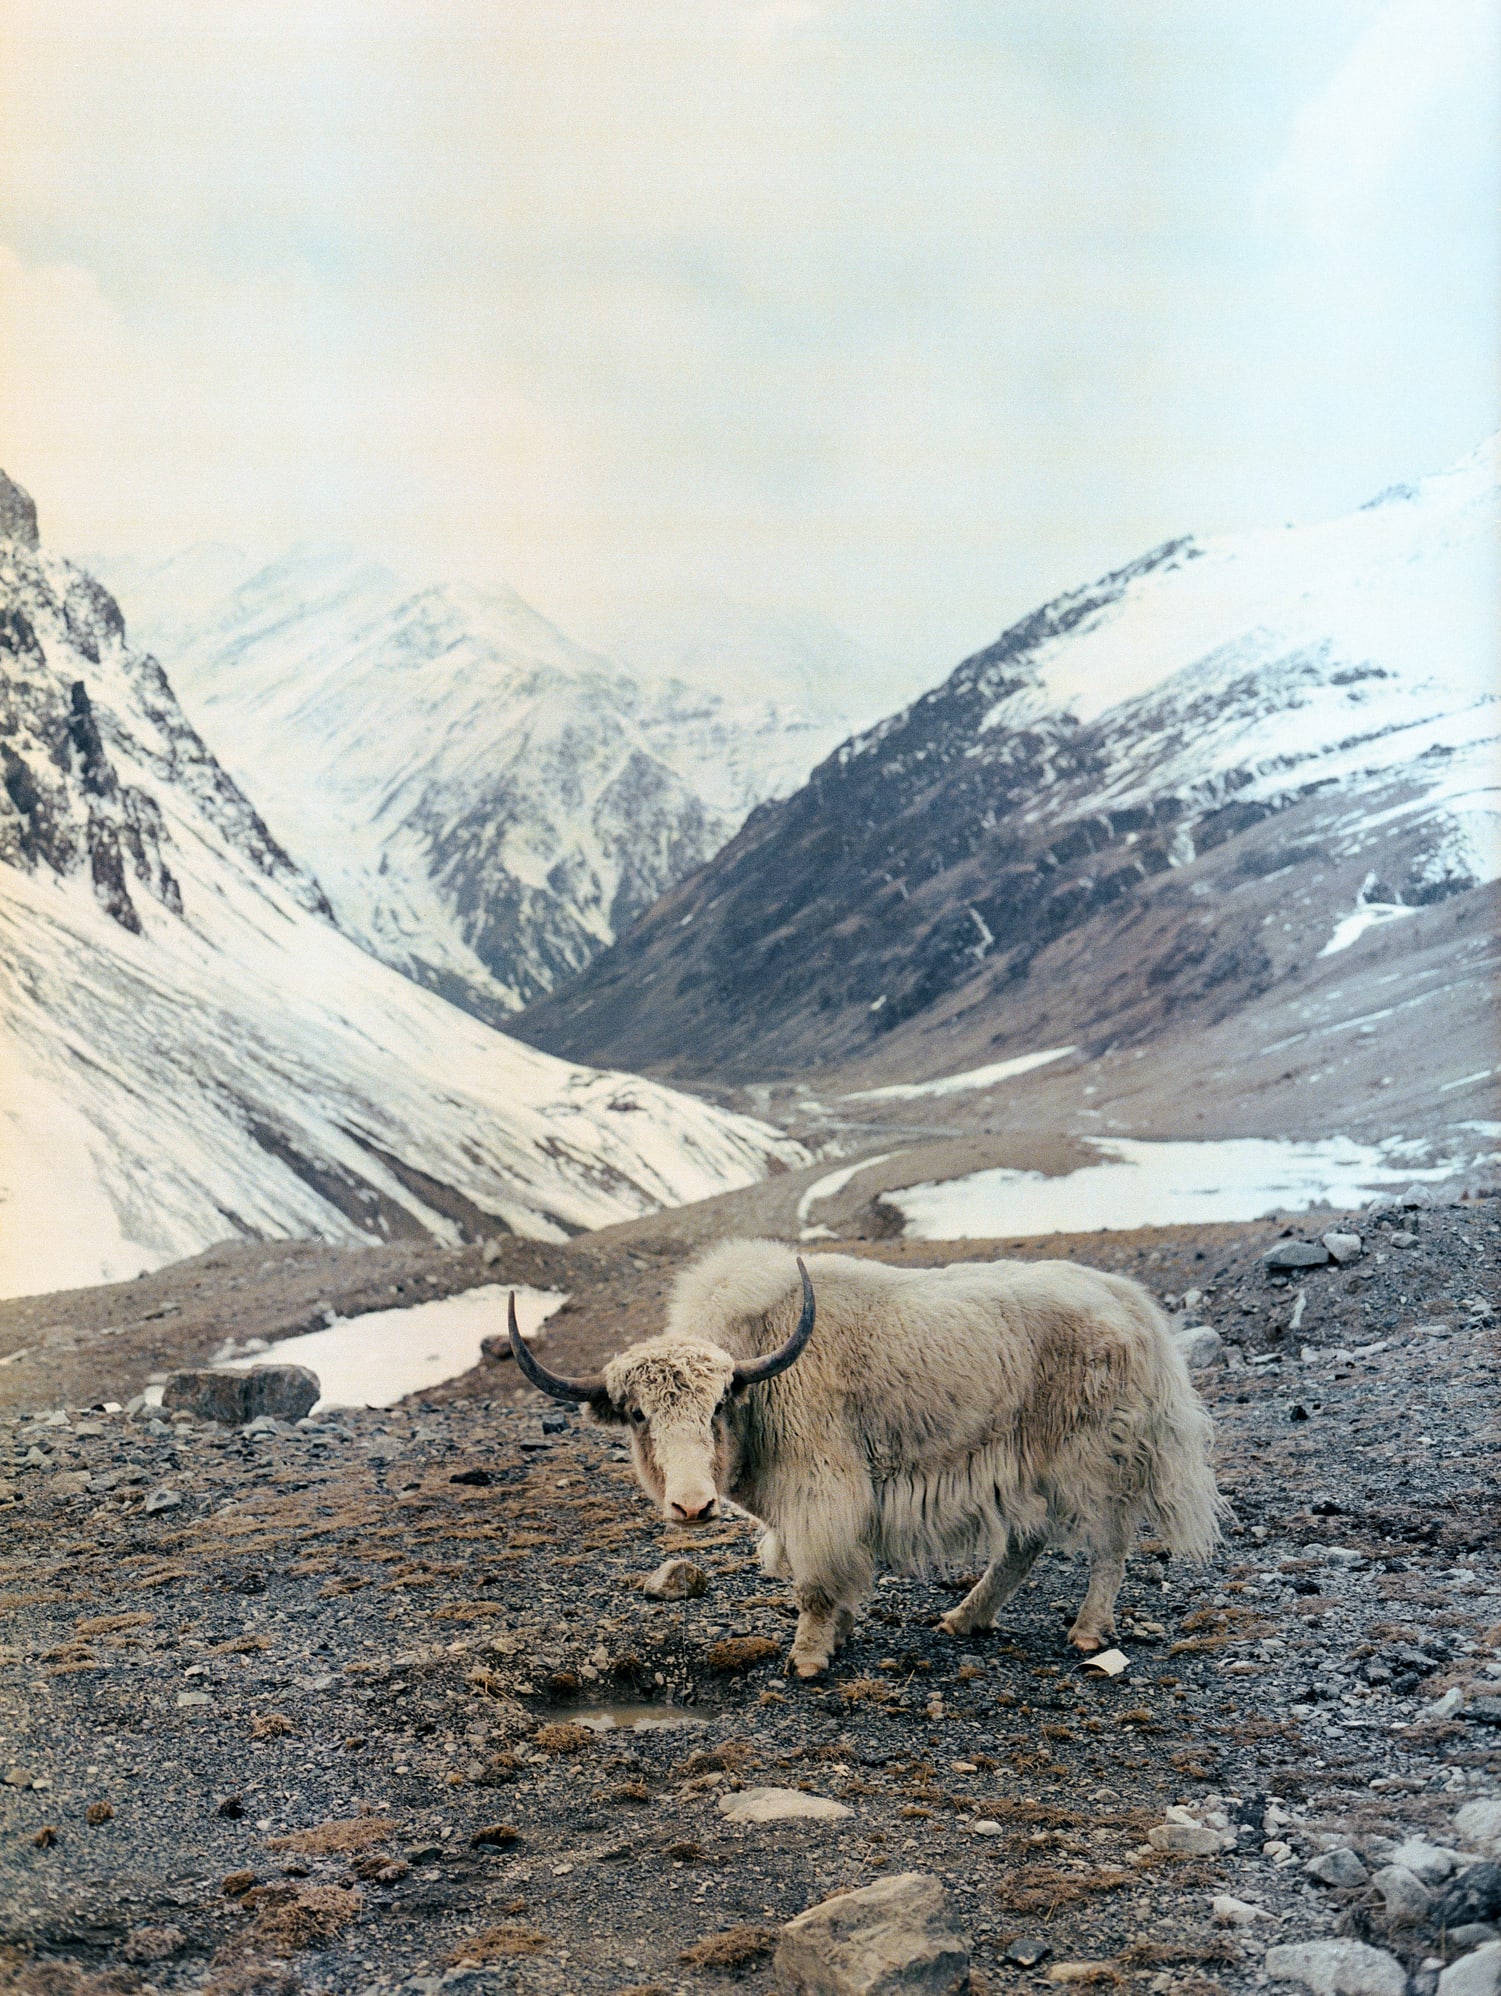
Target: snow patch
column 957, row 1084
column 377, row 1359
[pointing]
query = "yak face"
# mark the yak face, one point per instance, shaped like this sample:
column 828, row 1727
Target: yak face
column 673, row 1396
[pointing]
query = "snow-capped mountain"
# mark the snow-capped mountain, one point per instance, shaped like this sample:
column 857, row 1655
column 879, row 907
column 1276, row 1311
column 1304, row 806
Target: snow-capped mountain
column 1322, row 698
column 486, row 803
column 189, row 1047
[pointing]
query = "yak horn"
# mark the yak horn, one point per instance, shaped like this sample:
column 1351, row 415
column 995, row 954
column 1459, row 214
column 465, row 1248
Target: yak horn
column 778, row 1361
column 550, row 1382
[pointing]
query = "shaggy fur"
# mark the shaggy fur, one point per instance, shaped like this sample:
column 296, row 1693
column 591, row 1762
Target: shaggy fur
column 939, row 1417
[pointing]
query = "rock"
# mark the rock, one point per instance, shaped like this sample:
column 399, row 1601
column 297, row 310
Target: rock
column 284, row 1392
column 163, row 1499
column 1296, row 1254
column 1429, row 1863
column 1403, row 1239
column 186, row 1700
column 1479, row 1823
column 1473, row 1894
column 1337, row 1867
column 985, row 1826
column 1337, row 1968
column 1344, row 1248
column 496, row 1349
column 17, row 513
column 1201, row 1346
column 1027, row 1950
column 1407, row 1898
column 898, row 1937
column 1445, row 1707
column 1417, row 1198
column 1188, row 1839
column 490, row 1253
column 776, row 1805
column 1232, row 1912
column 1475, row 1974
column 17, row 1777
column 1485, row 1711
column 676, row 1580
column 147, row 1944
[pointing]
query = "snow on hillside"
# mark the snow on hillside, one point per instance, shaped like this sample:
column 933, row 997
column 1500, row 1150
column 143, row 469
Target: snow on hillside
column 190, row 1050
column 486, row 803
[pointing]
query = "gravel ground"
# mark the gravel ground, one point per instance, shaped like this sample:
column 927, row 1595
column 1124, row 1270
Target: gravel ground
column 296, row 1707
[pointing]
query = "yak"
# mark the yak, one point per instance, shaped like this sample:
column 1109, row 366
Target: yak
column 966, row 1415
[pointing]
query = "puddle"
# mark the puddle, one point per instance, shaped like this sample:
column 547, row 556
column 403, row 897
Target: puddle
column 1140, row 1184
column 377, row 1359
column 629, row 1718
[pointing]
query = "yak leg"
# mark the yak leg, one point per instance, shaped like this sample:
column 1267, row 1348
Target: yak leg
column 1107, row 1569
column 993, row 1590
column 826, row 1614
column 773, row 1555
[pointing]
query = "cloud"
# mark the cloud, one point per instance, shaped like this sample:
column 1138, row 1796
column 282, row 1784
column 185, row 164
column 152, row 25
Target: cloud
column 1347, row 141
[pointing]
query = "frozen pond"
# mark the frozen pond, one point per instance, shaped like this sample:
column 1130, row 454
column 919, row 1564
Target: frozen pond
column 1140, row 1184
column 375, row 1360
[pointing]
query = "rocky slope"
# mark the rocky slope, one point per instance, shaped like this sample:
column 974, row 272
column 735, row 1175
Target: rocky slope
column 299, row 1707
column 486, row 803
column 1151, row 806
column 190, row 1049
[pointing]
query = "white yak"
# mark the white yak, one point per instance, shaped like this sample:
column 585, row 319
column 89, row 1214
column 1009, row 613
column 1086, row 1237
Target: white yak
column 939, row 1417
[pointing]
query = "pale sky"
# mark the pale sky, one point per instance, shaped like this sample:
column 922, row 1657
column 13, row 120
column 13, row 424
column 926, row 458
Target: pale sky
column 901, row 313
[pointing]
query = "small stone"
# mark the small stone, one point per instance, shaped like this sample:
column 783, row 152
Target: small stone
column 17, row 1777
column 232, row 1806
column 478, row 1479
column 97, row 1813
column 496, row 1349
column 898, row 1937
column 1028, row 1951
column 1201, row 1346
column 1344, row 1248
column 1337, row 1968
column 283, row 1392
column 1417, row 1198
column 1403, row 1239
column 1474, row 1974
column 163, row 1499
column 676, row 1580
column 985, row 1826
column 1407, row 1898
column 1296, row 1254
column 1473, row 1894
column 490, row 1253
column 777, row 1805
column 1232, row 1912
column 187, row 1699
column 1447, row 1706
column 1337, row 1867
column 1188, row 1839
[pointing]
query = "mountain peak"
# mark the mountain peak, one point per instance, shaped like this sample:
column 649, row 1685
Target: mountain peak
column 17, row 513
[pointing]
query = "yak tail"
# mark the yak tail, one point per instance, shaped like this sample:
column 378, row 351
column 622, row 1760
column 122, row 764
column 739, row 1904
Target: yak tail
column 1183, row 1500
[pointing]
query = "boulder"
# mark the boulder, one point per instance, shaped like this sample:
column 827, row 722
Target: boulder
column 1474, row 1974
column 1344, row 1248
column 779, row 1805
column 1337, row 1867
column 1337, row 1968
column 1479, row 1823
column 898, row 1937
column 1407, row 1897
column 1296, row 1254
column 1201, row 1346
column 1473, row 1894
column 1187, row 1839
column 282, row 1392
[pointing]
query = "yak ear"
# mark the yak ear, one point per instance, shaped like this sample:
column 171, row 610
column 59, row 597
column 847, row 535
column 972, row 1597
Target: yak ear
column 603, row 1413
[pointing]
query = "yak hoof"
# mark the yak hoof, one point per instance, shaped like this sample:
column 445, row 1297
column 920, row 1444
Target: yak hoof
column 806, row 1666
column 1082, row 1639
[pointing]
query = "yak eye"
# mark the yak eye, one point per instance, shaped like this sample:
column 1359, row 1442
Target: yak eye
column 638, row 1417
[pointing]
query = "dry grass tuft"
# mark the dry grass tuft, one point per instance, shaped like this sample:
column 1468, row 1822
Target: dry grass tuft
column 499, row 1834
column 738, row 1653
column 271, row 1726
column 254, row 1978
column 352, row 1833
column 561, row 1737
column 498, row 1944
column 111, row 1625
column 737, row 1947
column 1163, row 1954
column 1043, row 1888
column 733, row 1757
column 305, row 1919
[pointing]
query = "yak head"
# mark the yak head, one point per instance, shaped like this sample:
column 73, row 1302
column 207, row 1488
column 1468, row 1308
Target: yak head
column 674, row 1396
